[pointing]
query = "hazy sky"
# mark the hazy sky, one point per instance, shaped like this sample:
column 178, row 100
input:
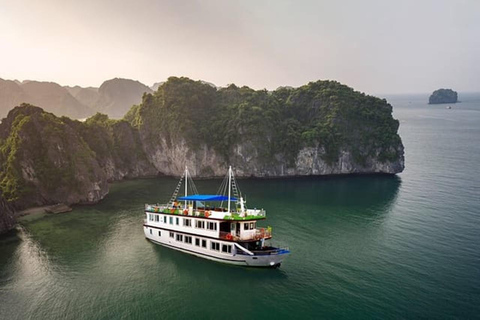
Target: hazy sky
column 375, row 46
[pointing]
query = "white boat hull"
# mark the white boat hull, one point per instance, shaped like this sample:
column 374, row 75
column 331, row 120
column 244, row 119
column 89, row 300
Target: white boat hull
column 162, row 237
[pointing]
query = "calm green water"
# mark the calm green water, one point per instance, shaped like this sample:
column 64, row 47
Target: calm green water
column 362, row 247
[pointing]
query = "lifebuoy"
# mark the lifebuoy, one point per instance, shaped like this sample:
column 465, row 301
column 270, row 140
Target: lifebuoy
column 207, row 214
column 185, row 212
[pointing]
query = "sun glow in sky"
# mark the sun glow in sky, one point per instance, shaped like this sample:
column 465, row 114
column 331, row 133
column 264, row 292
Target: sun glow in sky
column 376, row 46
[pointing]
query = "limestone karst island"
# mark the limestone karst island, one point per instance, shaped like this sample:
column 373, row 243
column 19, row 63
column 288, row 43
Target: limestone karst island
column 443, row 96
column 321, row 128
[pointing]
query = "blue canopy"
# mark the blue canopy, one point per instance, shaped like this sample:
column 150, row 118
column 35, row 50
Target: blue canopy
column 206, row 197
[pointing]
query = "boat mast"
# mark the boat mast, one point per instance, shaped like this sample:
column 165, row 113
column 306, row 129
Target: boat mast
column 186, row 183
column 229, row 185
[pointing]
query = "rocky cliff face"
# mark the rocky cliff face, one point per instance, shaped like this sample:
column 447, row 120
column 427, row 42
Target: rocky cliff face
column 44, row 160
column 206, row 162
column 292, row 132
column 309, row 162
column 117, row 147
column 319, row 129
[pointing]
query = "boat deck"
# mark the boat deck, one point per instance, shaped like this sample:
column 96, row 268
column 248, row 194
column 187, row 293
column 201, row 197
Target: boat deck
column 212, row 213
column 260, row 233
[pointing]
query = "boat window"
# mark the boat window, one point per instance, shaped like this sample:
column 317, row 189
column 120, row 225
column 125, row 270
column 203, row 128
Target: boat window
column 197, row 242
column 171, row 220
column 204, row 243
column 226, row 248
column 159, row 233
column 187, row 222
column 177, row 221
column 150, row 231
column 157, row 218
column 252, row 225
column 165, row 219
column 179, row 237
column 212, row 226
column 200, row 224
column 245, row 226
column 172, row 234
column 215, row 246
column 188, row 239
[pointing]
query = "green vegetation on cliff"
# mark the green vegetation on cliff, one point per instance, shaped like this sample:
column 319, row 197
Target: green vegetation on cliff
column 46, row 159
column 323, row 127
column 443, row 96
column 113, row 140
column 11, row 181
column 323, row 114
column 37, row 146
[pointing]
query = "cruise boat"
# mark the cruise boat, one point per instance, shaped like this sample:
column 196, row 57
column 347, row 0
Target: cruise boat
column 218, row 227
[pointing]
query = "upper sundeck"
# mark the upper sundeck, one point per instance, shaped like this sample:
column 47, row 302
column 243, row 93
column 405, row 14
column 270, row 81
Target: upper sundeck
column 210, row 212
column 209, row 206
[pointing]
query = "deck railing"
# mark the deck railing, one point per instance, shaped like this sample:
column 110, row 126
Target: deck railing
column 256, row 212
column 155, row 207
column 260, row 233
column 205, row 212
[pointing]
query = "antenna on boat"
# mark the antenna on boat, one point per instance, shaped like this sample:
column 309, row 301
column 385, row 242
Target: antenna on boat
column 186, row 185
column 230, row 183
column 229, row 186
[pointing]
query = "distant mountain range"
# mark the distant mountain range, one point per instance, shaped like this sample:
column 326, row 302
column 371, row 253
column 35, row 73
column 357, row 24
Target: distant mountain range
column 114, row 97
